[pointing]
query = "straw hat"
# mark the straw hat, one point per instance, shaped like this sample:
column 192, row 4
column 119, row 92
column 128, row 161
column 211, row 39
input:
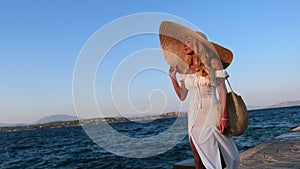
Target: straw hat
column 172, row 36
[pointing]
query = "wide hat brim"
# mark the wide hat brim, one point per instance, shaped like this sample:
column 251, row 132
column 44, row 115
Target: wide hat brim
column 172, row 36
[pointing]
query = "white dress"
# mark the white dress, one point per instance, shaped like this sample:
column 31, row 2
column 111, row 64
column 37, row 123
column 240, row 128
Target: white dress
column 203, row 119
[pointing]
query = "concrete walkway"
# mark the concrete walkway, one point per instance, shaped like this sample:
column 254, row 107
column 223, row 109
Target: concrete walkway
column 283, row 152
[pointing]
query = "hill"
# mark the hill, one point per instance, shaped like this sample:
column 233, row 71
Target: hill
column 54, row 118
column 61, row 123
column 286, row 104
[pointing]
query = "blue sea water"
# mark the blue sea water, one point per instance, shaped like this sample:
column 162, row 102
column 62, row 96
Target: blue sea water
column 70, row 147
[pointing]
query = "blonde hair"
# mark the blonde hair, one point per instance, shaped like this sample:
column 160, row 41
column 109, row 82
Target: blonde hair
column 201, row 58
column 201, row 69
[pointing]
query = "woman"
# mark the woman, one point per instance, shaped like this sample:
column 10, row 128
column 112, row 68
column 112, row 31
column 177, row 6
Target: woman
column 207, row 116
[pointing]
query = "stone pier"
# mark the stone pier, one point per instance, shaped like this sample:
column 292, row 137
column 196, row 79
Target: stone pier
column 282, row 152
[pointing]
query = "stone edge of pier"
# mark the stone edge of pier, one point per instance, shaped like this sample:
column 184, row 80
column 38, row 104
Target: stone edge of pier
column 282, row 151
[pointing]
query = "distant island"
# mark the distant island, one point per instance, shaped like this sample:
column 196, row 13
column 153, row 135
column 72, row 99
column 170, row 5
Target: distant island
column 277, row 105
column 54, row 118
column 69, row 123
column 286, row 104
column 62, row 120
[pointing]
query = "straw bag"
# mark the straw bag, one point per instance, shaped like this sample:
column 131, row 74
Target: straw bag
column 237, row 114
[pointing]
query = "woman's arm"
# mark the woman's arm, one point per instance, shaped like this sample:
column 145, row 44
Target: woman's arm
column 223, row 93
column 181, row 91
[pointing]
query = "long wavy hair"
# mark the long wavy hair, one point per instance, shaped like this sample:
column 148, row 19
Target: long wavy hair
column 200, row 68
column 201, row 58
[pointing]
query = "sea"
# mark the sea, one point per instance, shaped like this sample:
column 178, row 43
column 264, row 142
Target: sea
column 71, row 147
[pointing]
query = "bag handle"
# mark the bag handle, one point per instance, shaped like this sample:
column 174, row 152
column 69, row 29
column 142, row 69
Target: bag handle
column 232, row 94
column 234, row 97
column 229, row 84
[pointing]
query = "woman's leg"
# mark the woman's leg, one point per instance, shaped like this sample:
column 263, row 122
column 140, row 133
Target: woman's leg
column 197, row 159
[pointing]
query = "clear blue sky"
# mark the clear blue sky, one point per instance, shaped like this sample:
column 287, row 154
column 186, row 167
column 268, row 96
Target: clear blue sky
column 40, row 42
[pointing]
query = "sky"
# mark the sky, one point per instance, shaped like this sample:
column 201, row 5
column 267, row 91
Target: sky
column 41, row 42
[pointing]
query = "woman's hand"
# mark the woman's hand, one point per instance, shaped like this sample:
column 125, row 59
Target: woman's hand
column 181, row 91
column 172, row 72
column 223, row 124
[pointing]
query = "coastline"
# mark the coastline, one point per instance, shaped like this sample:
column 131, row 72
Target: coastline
column 61, row 124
